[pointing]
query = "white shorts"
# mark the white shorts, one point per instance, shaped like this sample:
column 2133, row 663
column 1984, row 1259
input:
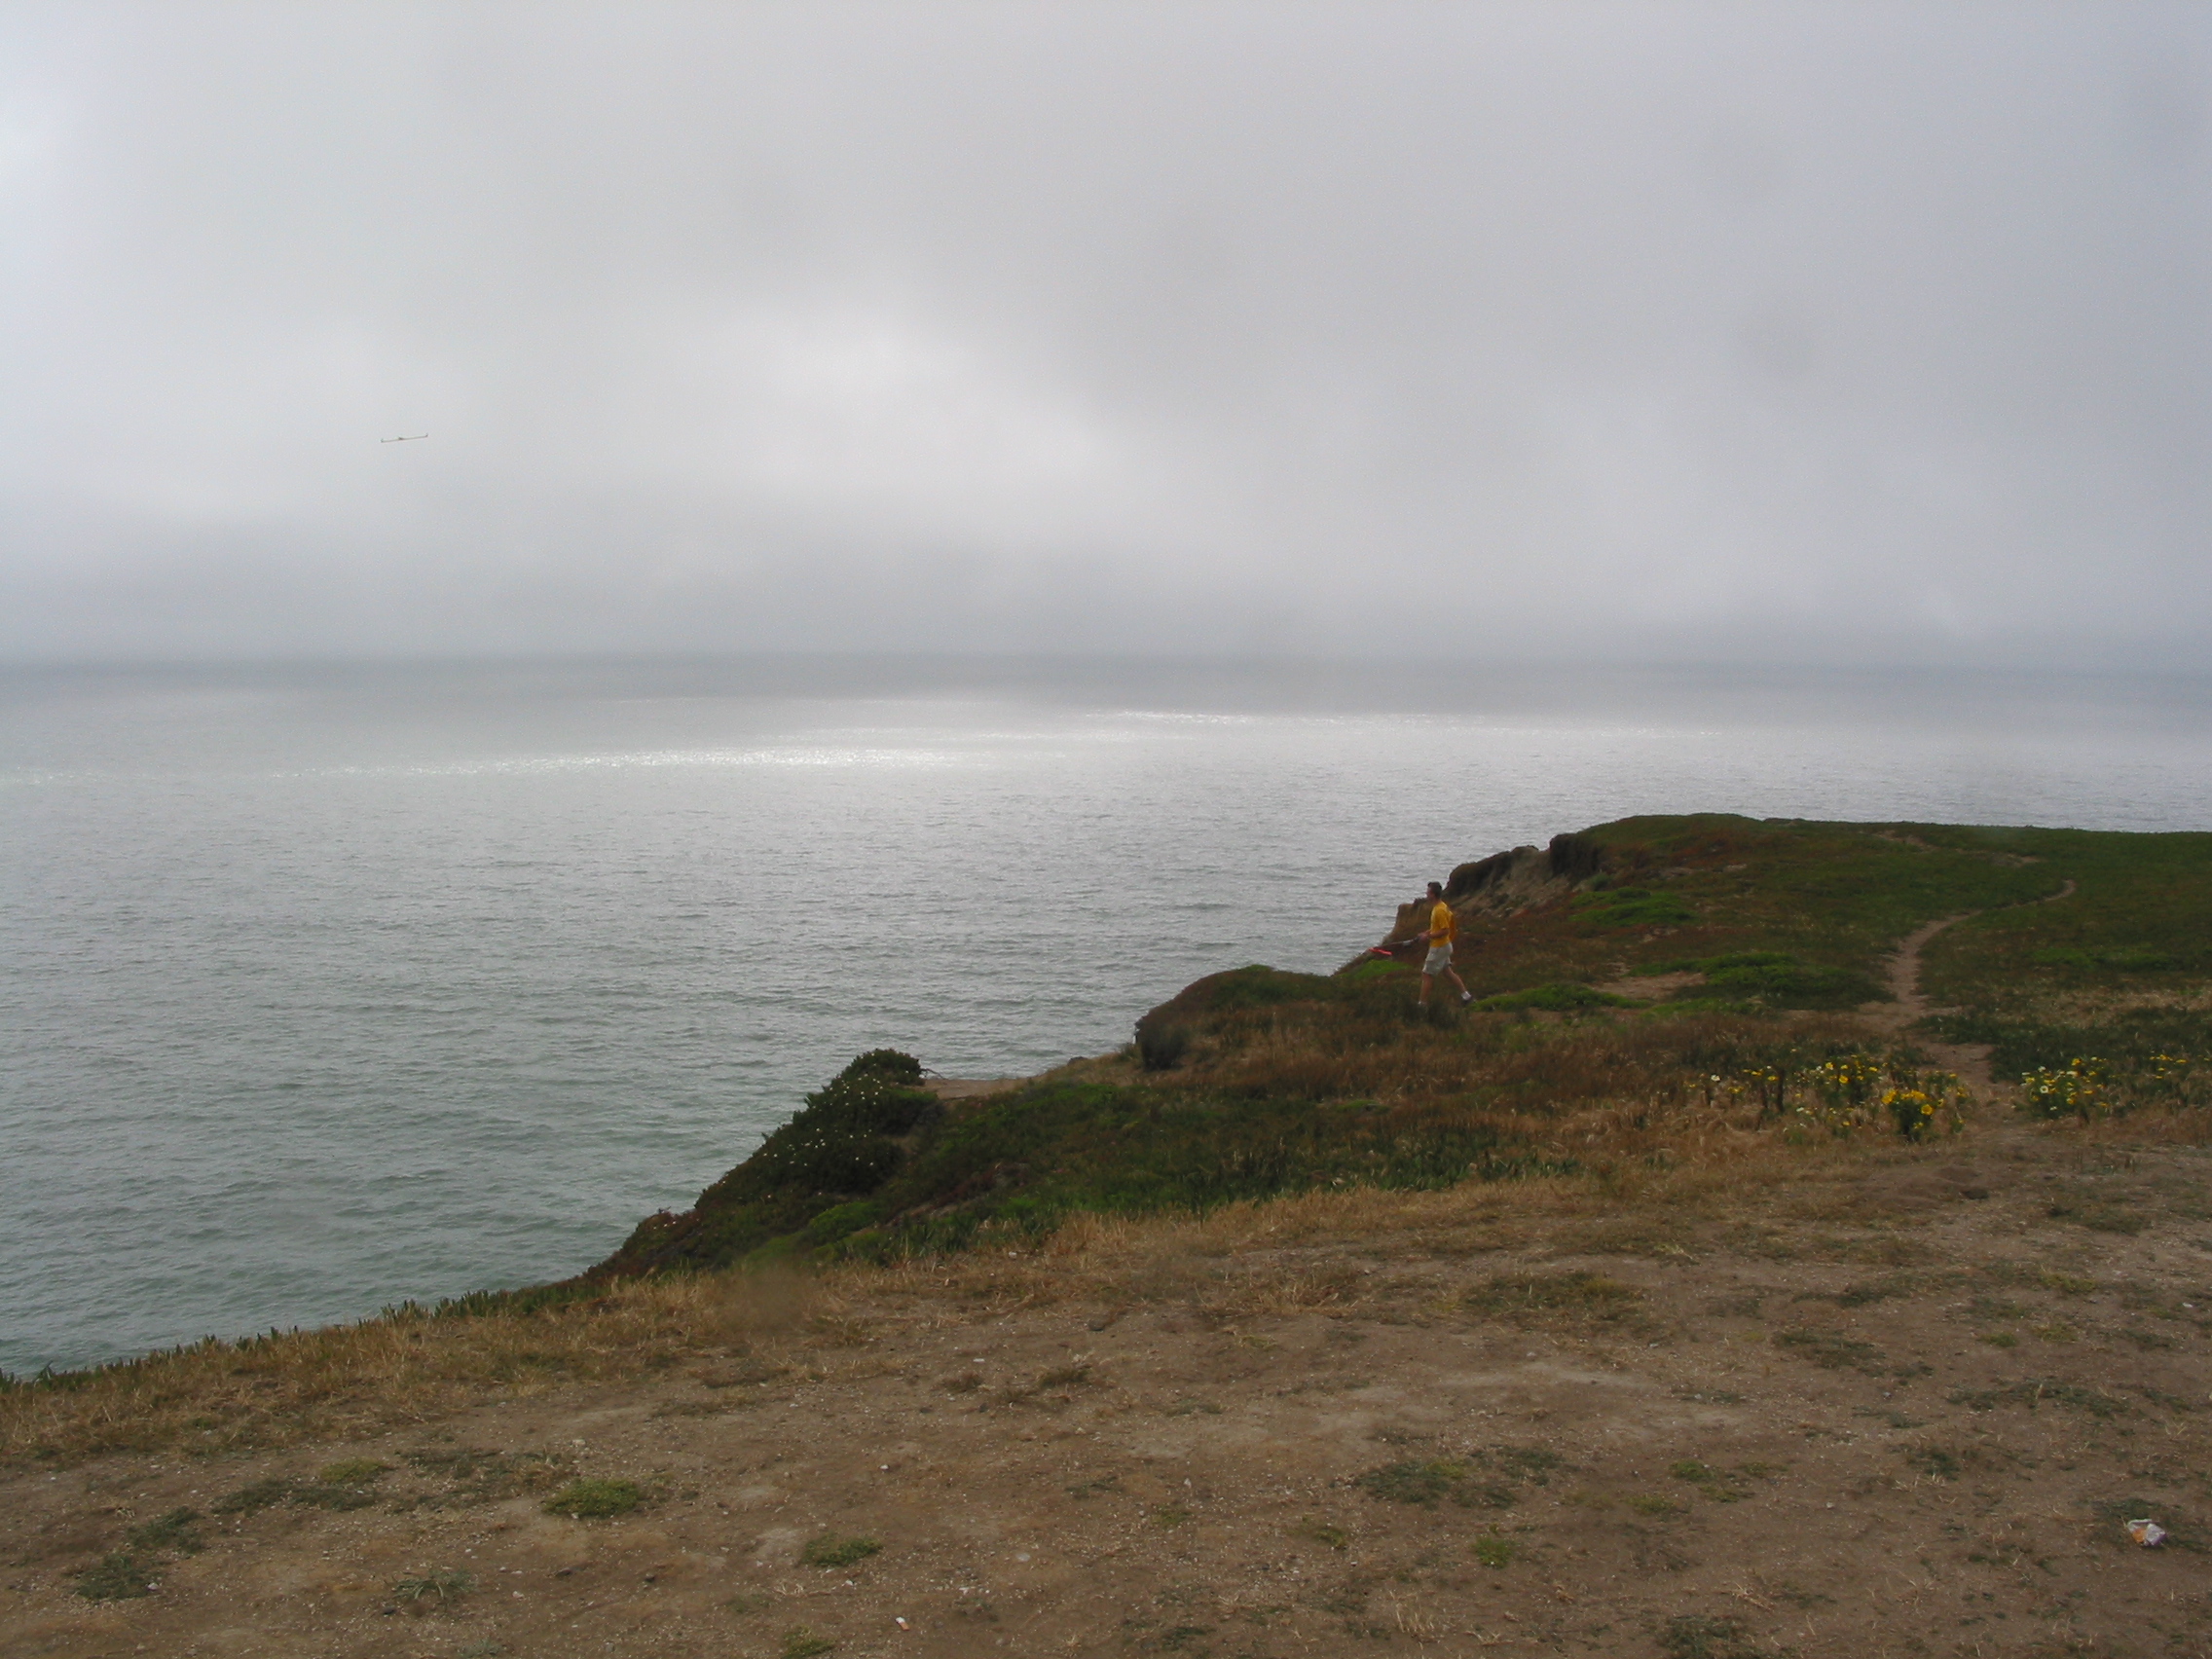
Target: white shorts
column 1439, row 959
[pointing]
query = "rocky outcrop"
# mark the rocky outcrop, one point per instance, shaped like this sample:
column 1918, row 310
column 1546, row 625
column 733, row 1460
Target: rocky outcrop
column 1508, row 882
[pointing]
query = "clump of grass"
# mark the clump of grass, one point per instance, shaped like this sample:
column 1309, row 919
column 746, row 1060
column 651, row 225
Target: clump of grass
column 831, row 1551
column 1422, row 1483
column 1831, row 1351
column 1697, row 1474
column 130, row 1573
column 1495, row 1550
column 121, row 1575
column 171, row 1531
column 1322, row 1533
column 595, row 1499
column 1170, row 1516
column 444, row 1587
column 1651, row 1503
column 1064, row 1376
column 322, row 1495
column 1722, row 1486
column 1532, row 1463
column 800, row 1643
column 2036, row 1392
column 1933, row 1461
column 259, row 1495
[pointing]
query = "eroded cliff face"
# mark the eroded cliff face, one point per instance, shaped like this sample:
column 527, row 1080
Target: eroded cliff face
column 1507, row 883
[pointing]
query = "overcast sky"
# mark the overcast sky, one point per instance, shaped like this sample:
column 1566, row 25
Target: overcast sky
column 1725, row 332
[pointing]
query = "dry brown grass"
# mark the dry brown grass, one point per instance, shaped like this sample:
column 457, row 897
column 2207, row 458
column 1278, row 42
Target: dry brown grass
column 218, row 1397
column 1657, row 1177
column 2175, row 1125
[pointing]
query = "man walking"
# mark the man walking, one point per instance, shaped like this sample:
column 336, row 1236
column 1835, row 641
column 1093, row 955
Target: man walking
column 1442, row 928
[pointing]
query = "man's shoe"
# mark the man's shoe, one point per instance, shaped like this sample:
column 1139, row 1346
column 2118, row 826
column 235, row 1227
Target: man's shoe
column 1466, row 996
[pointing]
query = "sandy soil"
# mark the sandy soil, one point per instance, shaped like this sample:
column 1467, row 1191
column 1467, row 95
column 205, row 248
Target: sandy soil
column 1896, row 1402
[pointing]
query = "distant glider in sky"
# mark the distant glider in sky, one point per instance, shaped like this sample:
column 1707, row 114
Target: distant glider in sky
column 403, row 438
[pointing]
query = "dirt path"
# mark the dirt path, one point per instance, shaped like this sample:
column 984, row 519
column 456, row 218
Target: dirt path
column 1968, row 1061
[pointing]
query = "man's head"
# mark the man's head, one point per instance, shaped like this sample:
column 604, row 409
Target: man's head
column 1436, row 890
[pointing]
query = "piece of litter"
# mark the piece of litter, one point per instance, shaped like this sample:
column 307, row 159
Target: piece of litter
column 2147, row 1532
column 901, row 1623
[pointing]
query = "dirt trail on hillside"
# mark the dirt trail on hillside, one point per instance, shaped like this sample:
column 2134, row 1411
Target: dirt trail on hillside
column 1968, row 1061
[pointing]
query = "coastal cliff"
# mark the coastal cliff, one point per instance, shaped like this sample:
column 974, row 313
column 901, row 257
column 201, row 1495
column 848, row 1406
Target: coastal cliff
column 1652, row 961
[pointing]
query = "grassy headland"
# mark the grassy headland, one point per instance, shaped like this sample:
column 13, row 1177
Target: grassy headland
column 1635, row 984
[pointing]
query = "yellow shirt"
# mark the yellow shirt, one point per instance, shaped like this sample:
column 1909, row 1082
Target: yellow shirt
column 1443, row 925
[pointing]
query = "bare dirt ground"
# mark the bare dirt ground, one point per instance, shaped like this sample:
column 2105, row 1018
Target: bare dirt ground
column 1830, row 1401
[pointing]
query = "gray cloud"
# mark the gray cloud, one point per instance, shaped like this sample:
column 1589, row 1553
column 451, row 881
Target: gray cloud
column 1676, row 331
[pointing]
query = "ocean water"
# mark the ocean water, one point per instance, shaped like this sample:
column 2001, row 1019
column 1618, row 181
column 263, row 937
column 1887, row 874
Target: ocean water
column 328, row 987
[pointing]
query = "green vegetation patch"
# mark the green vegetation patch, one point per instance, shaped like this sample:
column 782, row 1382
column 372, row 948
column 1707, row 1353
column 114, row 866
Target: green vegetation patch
column 1632, row 908
column 1831, row 1351
column 832, row 1551
column 595, row 1499
column 1429, row 1482
column 133, row 1570
column 1772, row 979
column 2035, row 1392
column 173, row 1532
column 1423, row 1483
column 1554, row 998
column 1495, row 1550
column 121, row 1575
